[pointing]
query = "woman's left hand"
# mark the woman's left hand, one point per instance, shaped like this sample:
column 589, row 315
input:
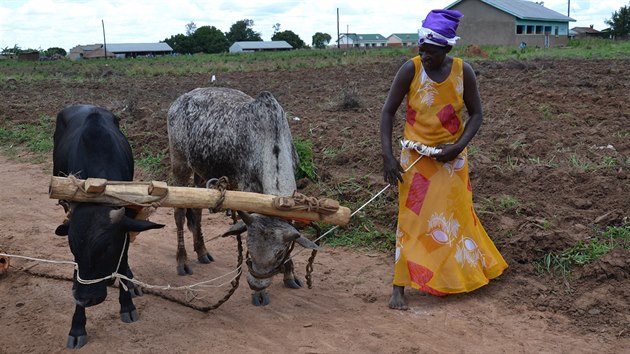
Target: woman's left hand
column 449, row 152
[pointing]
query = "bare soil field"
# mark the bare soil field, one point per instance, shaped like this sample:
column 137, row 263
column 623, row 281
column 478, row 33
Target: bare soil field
column 555, row 142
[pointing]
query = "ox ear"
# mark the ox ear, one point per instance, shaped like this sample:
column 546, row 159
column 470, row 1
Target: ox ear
column 62, row 230
column 235, row 229
column 245, row 217
column 116, row 215
column 129, row 224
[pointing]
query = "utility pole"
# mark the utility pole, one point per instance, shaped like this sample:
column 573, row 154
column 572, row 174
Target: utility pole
column 338, row 46
column 104, row 43
column 569, row 9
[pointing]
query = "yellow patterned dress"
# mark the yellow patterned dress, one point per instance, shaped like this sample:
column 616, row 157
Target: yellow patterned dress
column 441, row 247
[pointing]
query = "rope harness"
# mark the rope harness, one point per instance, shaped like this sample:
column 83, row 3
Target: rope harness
column 297, row 202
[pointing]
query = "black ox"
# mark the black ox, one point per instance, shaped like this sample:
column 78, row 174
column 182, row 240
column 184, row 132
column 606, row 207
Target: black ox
column 215, row 132
column 89, row 143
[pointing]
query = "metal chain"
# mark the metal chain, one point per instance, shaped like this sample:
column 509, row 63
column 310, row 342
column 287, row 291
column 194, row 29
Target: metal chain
column 311, row 259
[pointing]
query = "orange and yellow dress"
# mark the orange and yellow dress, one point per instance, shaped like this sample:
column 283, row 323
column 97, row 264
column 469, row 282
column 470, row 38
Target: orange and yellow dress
column 441, row 247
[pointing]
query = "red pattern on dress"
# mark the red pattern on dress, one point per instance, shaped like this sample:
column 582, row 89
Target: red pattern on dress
column 417, row 193
column 421, row 275
column 411, row 116
column 448, row 118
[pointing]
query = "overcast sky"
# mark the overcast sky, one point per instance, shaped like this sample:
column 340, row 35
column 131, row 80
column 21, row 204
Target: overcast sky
column 67, row 23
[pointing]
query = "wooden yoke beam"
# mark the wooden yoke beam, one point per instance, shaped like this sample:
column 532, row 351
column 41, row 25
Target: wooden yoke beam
column 158, row 193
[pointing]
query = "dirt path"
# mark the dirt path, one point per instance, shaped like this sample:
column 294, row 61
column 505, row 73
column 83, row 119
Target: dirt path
column 345, row 311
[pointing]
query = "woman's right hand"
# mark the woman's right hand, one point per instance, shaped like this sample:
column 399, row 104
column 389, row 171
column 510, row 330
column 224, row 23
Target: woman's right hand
column 392, row 171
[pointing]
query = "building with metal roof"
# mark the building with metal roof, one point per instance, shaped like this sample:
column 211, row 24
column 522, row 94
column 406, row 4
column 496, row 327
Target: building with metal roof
column 139, row 49
column 119, row 50
column 259, row 46
column 510, row 22
column 355, row 40
column 402, row 40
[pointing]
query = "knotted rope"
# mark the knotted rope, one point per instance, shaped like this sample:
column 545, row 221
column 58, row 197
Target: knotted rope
column 299, row 201
column 154, row 201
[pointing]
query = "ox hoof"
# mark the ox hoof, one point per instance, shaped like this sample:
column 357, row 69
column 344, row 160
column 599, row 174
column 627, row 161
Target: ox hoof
column 184, row 270
column 76, row 342
column 293, row 283
column 260, row 299
column 205, row 259
column 129, row 317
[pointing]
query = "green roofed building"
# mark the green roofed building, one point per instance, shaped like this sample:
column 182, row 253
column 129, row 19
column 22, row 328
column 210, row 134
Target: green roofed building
column 511, row 23
column 355, row 40
column 402, row 40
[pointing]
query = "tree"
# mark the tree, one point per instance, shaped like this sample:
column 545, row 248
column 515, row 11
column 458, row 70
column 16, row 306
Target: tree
column 209, row 39
column 290, row 37
column 242, row 31
column 620, row 22
column 276, row 28
column 181, row 44
column 15, row 50
column 190, row 28
column 320, row 40
column 55, row 50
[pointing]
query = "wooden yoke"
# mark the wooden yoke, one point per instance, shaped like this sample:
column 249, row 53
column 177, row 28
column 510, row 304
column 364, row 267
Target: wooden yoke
column 156, row 193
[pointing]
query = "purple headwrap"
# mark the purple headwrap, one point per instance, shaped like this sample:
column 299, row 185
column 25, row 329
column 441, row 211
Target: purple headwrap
column 439, row 28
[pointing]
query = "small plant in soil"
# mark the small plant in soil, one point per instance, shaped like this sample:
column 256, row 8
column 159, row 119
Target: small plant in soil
column 306, row 166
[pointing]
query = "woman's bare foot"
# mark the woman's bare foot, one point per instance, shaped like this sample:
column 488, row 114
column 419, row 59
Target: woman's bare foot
column 398, row 300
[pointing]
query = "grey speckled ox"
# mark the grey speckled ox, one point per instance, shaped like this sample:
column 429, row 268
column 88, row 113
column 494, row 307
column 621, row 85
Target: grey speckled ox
column 215, row 132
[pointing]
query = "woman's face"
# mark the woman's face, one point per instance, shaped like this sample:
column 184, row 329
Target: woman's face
column 432, row 55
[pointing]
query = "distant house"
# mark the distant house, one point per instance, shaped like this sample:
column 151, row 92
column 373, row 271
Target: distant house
column 119, row 50
column 354, row 40
column 587, row 32
column 259, row 46
column 510, row 22
column 402, row 40
column 30, row 56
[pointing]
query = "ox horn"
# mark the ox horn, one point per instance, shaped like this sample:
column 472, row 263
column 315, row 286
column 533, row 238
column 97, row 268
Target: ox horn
column 116, row 215
column 245, row 217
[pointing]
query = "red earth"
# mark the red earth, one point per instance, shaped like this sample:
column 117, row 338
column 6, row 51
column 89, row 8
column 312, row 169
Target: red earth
column 549, row 169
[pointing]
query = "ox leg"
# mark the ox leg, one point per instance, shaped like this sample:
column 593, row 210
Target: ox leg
column 182, row 258
column 181, row 177
column 134, row 291
column 290, row 281
column 128, row 312
column 194, row 225
column 78, row 335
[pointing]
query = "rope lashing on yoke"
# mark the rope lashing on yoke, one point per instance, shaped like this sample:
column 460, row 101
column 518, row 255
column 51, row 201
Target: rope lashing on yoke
column 299, row 201
column 221, row 184
column 156, row 201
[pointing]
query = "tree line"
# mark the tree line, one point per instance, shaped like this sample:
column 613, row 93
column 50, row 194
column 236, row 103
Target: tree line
column 209, row 39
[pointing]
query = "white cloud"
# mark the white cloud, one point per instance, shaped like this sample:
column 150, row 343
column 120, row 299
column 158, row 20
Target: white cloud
column 66, row 23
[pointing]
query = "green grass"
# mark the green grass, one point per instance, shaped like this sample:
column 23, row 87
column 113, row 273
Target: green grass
column 215, row 64
column 36, row 139
column 562, row 263
column 364, row 234
column 151, row 162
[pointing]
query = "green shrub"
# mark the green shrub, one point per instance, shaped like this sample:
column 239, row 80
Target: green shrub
column 306, row 166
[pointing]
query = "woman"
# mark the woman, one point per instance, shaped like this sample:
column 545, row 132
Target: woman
column 441, row 247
